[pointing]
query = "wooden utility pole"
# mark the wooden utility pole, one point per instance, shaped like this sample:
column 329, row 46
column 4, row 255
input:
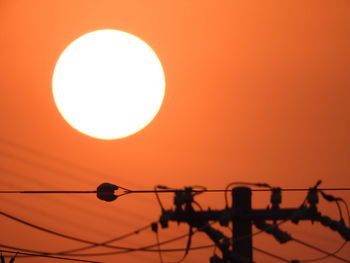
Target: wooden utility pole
column 239, row 248
column 242, row 228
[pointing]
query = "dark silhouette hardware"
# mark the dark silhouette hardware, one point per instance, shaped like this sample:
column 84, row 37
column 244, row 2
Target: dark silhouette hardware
column 238, row 249
column 11, row 260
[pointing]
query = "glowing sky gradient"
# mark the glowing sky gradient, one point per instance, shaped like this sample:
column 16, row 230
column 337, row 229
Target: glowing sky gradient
column 256, row 91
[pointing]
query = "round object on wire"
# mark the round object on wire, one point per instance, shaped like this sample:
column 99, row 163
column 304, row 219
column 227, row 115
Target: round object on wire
column 105, row 192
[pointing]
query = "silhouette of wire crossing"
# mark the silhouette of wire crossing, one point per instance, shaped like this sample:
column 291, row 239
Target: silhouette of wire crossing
column 64, row 235
column 36, row 253
column 94, row 244
column 49, row 256
column 194, row 248
column 122, row 250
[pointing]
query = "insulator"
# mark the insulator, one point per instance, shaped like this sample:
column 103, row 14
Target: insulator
column 154, row 227
column 215, row 259
column 334, row 225
column 312, row 197
column 224, row 218
column 329, row 197
column 164, row 220
column 325, row 220
column 276, row 197
column 105, row 192
column 345, row 233
column 295, row 220
column 279, row 235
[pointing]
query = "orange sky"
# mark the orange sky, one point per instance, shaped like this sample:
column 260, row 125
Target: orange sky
column 256, row 91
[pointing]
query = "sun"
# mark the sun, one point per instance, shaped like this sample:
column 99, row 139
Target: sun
column 108, row 84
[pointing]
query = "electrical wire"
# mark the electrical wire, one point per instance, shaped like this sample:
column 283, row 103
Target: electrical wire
column 320, row 250
column 157, row 195
column 49, row 157
column 43, row 166
column 328, row 255
column 271, row 255
column 69, row 252
column 188, row 246
column 199, row 191
column 148, row 247
column 162, row 191
column 168, row 241
column 40, row 253
column 56, row 233
column 48, row 256
column 94, row 244
column 243, row 183
column 155, row 230
column 74, row 203
column 196, row 192
column 187, row 249
column 347, row 210
column 190, row 234
column 137, row 231
column 336, row 200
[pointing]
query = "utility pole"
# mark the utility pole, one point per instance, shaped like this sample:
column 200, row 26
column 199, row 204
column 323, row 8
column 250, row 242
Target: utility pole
column 239, row 248
column 242, row 229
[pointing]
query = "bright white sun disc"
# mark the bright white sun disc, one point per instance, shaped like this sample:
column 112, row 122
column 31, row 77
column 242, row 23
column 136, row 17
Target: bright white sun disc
column 108, row 84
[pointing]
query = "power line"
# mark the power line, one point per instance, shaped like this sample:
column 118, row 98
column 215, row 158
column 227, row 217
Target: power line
column 137, row 231
column 75, row 203
column 59, row 234
column 242, row 216
column 104, row 244
column 320, row 250
column 183, row 206
column 328, row 255
column 48, row 192
column 48, row 256
column 271, row 255
column 163, row 191
column 49, row 157
column 129, row 250
column 36, row 254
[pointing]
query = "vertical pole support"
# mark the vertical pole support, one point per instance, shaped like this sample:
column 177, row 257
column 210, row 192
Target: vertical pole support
column 242, row 227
